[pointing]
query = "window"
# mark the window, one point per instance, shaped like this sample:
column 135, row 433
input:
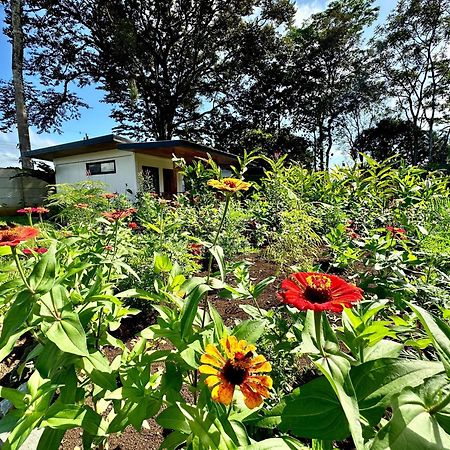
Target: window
column 101, row 167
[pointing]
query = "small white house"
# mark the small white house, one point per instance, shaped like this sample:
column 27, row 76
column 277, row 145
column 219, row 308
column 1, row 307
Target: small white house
column 124, row 165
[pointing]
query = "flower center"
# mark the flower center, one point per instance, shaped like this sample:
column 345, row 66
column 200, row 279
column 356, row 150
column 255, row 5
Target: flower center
column 234, row 373
column 230, row 184
column 318, row 289
column 8, row 236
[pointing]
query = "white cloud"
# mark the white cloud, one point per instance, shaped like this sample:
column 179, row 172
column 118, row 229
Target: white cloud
column 306, row 10
column 9, row 152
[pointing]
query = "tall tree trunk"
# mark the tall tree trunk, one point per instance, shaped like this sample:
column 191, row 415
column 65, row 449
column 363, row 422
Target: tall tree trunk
column 19, row 91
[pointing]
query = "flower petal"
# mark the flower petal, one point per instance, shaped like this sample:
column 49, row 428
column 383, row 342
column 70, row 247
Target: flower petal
column 223, row 393
column 208, row 359
column 252, row 399
column 212, row 380
column 212, row 350
column 208, row 370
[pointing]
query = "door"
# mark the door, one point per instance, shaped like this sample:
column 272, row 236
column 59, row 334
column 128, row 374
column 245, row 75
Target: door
column 150, row 177
column 170, row 182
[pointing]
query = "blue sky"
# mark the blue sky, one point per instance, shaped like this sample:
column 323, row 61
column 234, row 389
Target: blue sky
column 95, row 121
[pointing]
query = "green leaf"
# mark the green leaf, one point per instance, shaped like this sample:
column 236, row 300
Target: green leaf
column 282, row 443
column 313, row 411
column 190, row 309
column 250, row 330
column 17, row 315
column 7, row 344
column 217, row 252
column 262, row 285
column 5, row 250
column 414, row 425
column 139, row 293
column 438, row 331
column 337, row 370
column 219, row 327
column 174, row 440
column 43, row 276
column 173, row 419
column 14, row 396
column 162, row 263
column 50, row 439
column 68, row 334
column 383, row 349
column 61, row 416
column 376, row 382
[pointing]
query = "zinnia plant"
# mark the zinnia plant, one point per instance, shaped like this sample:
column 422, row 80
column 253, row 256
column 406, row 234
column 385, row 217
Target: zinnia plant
column 118, row 214
column 238, row 367
column 229, row 185
column 13, row 236
column 318, row 292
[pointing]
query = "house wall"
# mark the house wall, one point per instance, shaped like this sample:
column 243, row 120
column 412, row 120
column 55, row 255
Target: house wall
column 160, row 163
column 71, row 169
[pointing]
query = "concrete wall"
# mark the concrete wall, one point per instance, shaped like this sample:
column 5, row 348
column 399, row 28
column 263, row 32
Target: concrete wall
column 19, row 192
column 71, row 169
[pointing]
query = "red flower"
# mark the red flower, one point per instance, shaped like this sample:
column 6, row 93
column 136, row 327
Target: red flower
column 27, row 210
column 31, row 210
column 14, row 236
column 108, row 248
column 196, row 249
column 40, row 250
column 133, row 225
column 118, row 214
column 318, row 292
column 398, row 232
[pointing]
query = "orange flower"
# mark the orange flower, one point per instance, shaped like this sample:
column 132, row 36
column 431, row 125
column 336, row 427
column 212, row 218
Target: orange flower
column 118, row 214
column 397, row 232
column 41, row 210
column 81, row 205
column 238, row 367
column 229, row 185
column 109, row 196
column 14, row 236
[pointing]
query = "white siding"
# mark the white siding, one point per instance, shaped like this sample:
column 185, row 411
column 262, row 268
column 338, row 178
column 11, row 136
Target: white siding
column 71, row 169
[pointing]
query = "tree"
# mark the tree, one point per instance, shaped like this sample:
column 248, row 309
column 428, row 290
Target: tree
column 327, row 55
column 165, row 65
column 17, row 76
column 256, row 115
column 391, row 137
column 23, row 103
column 413, row 57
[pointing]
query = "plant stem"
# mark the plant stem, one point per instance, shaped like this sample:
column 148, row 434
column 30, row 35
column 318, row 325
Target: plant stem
column 222, row 220
column 116, row 229
column 230, row 407
column 20, row 269
column 99, row 329
column 208, row 276
column 318, row 330
column 256, row 303
column 441, row 405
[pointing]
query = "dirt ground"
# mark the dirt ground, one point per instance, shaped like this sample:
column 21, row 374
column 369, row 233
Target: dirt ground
column 151, row 438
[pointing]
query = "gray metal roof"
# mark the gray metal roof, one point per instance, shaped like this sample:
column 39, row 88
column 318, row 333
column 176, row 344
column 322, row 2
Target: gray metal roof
column 120, row 143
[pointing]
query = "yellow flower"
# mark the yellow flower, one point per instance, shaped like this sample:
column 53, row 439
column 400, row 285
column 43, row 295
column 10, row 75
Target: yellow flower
column 239, row 366
column 229, row 184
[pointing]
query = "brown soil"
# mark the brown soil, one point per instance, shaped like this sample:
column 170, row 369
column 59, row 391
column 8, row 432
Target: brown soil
column 151, row 438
